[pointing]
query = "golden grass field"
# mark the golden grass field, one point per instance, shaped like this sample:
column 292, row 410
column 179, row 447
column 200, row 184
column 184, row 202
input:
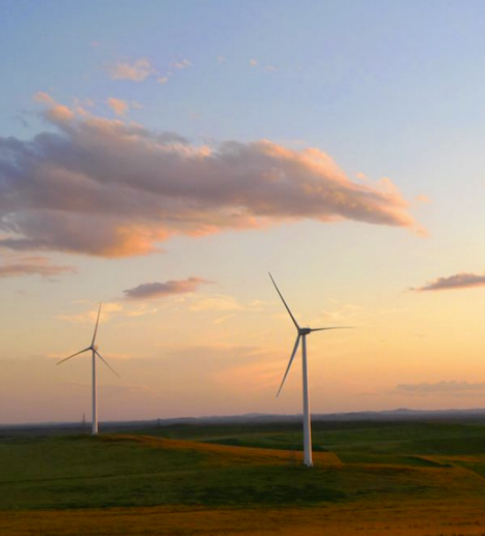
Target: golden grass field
column 414, row 518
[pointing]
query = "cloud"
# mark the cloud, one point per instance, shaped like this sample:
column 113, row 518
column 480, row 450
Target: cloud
column 454, row 281
column 253, row 62
column 109, row 310
column 453, row 388
column 109, row 188
column 44, row 98
column 90, row 316
column 177, row 65
column 32, row 266
column 181, row 64
column 137, row 71
column 149, row 291
column 119, row 106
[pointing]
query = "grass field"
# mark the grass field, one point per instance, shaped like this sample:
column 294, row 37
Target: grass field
column 417, row 478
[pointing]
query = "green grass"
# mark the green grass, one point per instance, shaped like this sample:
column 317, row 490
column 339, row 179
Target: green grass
column 82, row 472
column 380, row 460
column 359, row 442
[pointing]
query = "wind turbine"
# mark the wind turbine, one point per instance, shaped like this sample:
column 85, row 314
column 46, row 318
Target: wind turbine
column 95, row 353
column 302, row 334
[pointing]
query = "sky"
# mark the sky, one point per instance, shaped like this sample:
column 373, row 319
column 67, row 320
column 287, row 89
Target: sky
column 163, row 157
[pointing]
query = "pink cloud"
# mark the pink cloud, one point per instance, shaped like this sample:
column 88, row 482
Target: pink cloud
column 32, row 266
column 107, row 188
column 454, row 281
column 149, row 291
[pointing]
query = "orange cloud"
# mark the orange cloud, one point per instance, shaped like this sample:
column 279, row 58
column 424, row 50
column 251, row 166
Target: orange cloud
column 119, row 106
column 108, row 188
column 136, row 71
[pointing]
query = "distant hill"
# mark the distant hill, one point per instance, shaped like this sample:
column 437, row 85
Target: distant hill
column 401, row 414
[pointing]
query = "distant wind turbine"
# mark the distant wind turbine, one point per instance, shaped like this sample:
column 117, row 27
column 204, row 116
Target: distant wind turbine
column 94, row 350
column 302, row 333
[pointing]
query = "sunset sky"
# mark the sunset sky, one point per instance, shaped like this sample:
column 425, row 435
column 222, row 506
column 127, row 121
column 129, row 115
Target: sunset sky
column 161, row 157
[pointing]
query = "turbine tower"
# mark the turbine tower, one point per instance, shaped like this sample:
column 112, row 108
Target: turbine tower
column 302, row 334
column 95, row 353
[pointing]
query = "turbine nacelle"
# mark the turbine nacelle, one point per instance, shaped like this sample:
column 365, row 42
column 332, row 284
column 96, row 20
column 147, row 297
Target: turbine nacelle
column 304, row 331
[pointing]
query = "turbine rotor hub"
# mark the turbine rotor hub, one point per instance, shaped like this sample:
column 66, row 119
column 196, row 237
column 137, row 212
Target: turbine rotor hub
column 305, row 331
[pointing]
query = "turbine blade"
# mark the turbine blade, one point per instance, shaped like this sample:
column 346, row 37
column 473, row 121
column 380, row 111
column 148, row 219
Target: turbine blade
column 73, row 355
column 295, row 348
column 106, row 363
column 336, row 327
column 284, row 303
column 96, row 327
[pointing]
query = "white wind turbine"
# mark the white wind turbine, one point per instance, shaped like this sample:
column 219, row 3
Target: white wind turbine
column 94, row 350
column 302, row 333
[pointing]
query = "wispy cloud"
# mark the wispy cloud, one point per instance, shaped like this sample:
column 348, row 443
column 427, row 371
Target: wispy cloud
column 137, row 71
column 23, row 266
column 150, row 291
column 107, row 311
column 462, row 280
column 453, row 388
column 175, row 65
column 109, row 188
column 119, row 106
column 181, row 64
column 265, row 68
